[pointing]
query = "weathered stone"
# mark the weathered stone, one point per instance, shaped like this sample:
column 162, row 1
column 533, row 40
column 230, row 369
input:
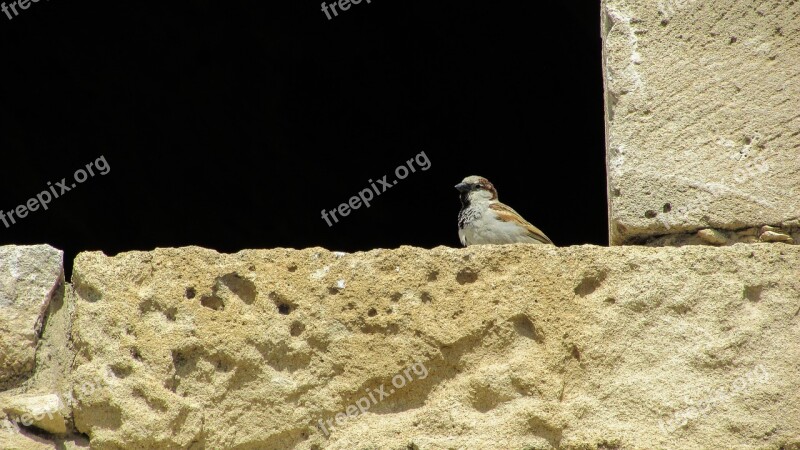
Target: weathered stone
column 767, row 228
column 41, row 411
column 496, row 347
column 29, row 275
column 702, row 115
column 713, row 237
column 791, row 225
column 771, row 236
column 12, row 438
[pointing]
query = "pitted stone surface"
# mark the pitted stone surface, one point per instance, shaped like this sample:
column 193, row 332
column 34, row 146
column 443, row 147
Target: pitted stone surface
column 702, row 118
column 523, row 347
column 29, row 276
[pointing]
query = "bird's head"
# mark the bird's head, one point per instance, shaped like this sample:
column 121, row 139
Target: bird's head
column 475, row 188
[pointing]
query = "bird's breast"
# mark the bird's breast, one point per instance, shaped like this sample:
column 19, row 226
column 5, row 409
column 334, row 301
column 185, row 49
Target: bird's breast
column 468, row 216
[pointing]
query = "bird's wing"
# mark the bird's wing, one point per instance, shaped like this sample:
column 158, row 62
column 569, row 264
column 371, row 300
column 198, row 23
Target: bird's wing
column 506, row 214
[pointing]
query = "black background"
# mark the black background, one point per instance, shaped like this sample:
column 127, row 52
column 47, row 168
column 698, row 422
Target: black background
column 231, row 125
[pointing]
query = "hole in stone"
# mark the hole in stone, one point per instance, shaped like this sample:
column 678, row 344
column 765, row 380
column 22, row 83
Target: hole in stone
column 292, row 268
column 433, row 276
column 396, row 297
column 179, row 359
column 372, row 312
column 297, row 329
column 121, row 371
column 426, row 297
column 149, row 305
column 466, row 276
column 190, row 293
column 589, row 284
column 525, row 327
column 485, row 397
column 87, row 292
column 680, row 309
column 575, row 352
column 212, row 302
column 171, row 313
column 650, row 214
column 753, row 293
column 222, row 366
column 135, row 354
column 667, row 207
column 284, row 306
column 241, row 287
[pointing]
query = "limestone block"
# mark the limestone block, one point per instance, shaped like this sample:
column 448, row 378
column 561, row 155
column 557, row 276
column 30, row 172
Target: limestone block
column 485, row 347
column 12, row 438
column 29, row 275
column 702, row 116
column 44, row 412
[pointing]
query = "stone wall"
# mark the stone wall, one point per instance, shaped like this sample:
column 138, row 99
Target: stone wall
column 703, row 121
column 489, row 347
column 512, row 347
column 29, row 278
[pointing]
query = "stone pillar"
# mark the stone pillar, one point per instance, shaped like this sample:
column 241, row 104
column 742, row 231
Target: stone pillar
column 702, row 121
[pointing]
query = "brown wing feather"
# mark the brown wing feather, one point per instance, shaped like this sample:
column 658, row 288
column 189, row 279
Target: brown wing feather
column 507, row 214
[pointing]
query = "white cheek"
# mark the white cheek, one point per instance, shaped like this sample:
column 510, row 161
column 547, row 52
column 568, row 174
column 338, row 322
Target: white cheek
column 479, row 196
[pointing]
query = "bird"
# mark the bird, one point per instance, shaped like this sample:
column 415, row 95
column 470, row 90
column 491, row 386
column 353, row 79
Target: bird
column 484, row 220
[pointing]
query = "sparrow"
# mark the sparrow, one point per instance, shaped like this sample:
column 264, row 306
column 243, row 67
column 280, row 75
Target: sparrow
column 484, row 220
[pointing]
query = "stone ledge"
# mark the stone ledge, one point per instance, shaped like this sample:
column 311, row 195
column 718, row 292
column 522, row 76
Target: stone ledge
column 517, row 346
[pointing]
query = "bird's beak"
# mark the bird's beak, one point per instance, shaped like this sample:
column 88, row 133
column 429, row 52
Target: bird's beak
column 462, row 187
